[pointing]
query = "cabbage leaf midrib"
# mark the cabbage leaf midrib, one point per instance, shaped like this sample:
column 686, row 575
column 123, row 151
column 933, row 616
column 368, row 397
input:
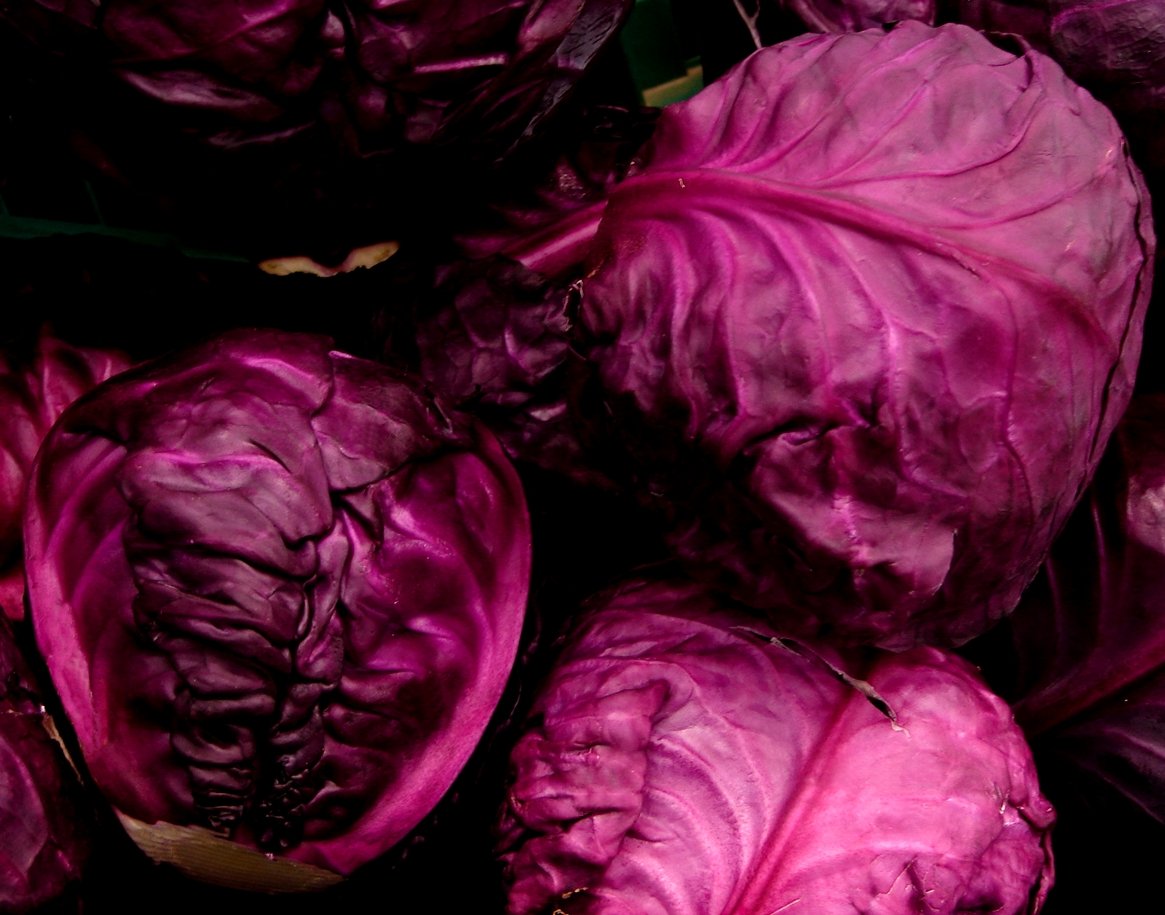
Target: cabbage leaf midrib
column 729, row 192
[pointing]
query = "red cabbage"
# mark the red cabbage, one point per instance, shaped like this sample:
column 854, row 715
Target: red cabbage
column 683, row 759
column 275, row 115
column 867, row 314
column 279, row 590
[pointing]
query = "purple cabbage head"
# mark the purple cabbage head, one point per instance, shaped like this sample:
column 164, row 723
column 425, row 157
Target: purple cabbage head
column 45, row 827
column 682, row 759
column 866, row 313
column 338, row 105
column 35, row 387
column 279, row 590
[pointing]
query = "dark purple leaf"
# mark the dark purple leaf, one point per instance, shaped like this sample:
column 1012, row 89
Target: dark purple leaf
column 494, row 333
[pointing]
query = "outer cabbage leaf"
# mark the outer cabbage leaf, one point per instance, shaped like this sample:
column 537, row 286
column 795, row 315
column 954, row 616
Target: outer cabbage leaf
column 34, row 389
column 279, row 590
column 45, row 828
column 872, row 307
column 494, row 337
column 682, row 760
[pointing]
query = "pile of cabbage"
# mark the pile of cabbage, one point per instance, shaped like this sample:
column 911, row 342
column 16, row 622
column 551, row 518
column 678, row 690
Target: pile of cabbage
column 748, row 505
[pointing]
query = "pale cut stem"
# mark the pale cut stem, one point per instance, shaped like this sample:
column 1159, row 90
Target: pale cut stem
column 750, row 21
